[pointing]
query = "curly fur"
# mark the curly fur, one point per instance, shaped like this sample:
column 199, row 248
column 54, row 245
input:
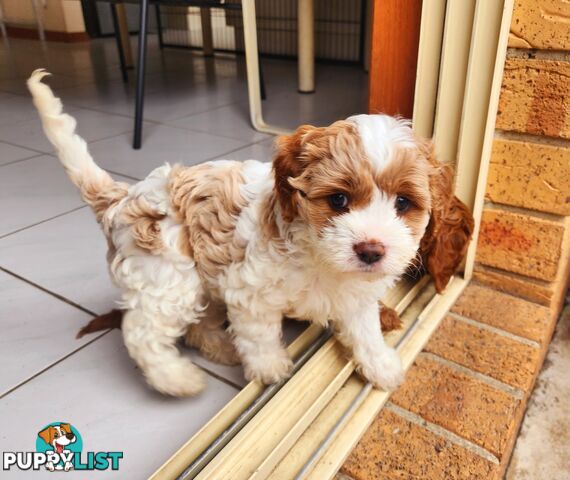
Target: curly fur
column 190, row 246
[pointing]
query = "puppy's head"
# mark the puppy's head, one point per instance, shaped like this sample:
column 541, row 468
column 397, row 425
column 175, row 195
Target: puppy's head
column 363, row 188
column 58, row 435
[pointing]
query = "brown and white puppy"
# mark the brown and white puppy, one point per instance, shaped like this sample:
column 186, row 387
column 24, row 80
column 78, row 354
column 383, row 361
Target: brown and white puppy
column 319, row 235
column 59, row 437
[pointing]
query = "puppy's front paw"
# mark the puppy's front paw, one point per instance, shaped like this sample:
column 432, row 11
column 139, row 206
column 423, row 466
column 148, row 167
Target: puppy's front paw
column 384, row 370
column 269, row 368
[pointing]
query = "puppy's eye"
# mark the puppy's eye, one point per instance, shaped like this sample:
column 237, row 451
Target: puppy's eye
column 403, row 204
column 338, row 201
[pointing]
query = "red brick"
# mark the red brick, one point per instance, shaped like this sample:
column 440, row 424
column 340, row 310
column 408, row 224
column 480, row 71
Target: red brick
column 535, row 97
column 506, row 312
column 486, row 352
column 519, row 243
column 543, row 293
column 541, row 24
column 461, row 404
column 530, row 175
column 394, row 448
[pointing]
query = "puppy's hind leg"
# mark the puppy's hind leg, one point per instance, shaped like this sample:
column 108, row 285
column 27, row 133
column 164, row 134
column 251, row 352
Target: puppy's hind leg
column 150, row 338
column 210, row 336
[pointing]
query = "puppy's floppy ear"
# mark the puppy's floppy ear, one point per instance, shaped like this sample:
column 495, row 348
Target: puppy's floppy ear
column 288, row 165
column 47, row 434
column 450, row 227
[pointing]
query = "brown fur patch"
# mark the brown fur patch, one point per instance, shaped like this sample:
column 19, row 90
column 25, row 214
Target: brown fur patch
column 102, row 200
column 268, row 222
column 144, row 224
column 314, row 163
column 407, row 175
column 112, row 319
column 449, row 231
column 207, row 200
column 389, row 319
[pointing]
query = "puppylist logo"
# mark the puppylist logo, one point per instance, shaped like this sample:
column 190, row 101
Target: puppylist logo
column 59, row 447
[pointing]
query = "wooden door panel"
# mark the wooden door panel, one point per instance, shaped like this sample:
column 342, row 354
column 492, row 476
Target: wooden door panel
column 394, row 56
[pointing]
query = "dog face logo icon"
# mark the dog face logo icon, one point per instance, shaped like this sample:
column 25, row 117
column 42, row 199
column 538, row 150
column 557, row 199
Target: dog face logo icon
column 59, row 447
column 62, row 439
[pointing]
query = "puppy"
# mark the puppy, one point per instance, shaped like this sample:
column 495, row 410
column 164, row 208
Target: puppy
column 319, row 235
column 59, row 437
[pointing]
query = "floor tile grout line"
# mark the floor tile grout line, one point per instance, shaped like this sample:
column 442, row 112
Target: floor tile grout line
column 5, row 235
column 148, row 120
column 89, row 312
column 219, row 377
column 498, row 331
column 515, row 392
column 89, row 142
column 162, row 123
column 130, row 177
column 158, row 122
column 32, row 118
column 254, row 142
column 24, row 93
column 36, row 155
column 23, row 78
column 211, row 110
column 229, row 152
column 98, row 110
column 49, row 292
column 53, row 364
column 166, row 122
column 197, row 113
column 34, row 150
column 442, row 432
column 194, row 130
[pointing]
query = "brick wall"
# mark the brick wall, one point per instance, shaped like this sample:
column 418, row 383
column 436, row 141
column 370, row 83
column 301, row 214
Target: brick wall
column 524, row 243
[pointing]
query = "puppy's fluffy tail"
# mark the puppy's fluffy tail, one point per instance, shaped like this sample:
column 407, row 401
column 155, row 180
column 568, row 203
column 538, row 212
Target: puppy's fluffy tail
column 72, row 151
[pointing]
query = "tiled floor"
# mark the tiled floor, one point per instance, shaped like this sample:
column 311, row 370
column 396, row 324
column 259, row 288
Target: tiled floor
column 52, row 256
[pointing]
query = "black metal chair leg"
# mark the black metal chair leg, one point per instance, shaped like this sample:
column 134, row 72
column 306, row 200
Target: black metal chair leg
column 120, row 50
column 159, row 26
column 141, row 64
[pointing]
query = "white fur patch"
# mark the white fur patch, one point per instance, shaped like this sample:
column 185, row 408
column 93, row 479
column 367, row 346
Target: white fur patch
column 380, row 134
column 300, row 274
column 376, row 222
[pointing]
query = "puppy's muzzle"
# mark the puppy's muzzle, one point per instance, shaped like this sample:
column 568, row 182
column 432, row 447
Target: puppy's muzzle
column 369, row 252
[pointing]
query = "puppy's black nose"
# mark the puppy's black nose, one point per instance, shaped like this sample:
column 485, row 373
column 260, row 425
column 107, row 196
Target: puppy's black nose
column 69, row 436
column 369, row 252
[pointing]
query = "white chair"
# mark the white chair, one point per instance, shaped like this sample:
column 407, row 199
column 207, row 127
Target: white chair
column 38, row 6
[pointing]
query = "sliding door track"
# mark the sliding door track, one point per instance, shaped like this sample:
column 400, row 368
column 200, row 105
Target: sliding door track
column 287, row 430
